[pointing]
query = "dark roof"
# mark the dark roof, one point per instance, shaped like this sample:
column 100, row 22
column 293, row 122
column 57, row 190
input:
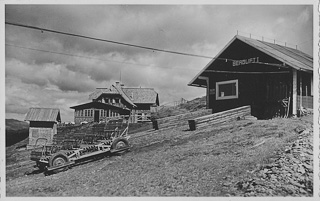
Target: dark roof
column 43, row 114
column 141, row 95
column 291, row 57
column 97, row 105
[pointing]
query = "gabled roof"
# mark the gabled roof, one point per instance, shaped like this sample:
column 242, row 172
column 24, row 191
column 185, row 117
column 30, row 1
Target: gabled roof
column 289, row 56
column 43, row 114
column 142, row 95
column 292, row 57
column 125, row 97
column 99, row 91
column 133, row 95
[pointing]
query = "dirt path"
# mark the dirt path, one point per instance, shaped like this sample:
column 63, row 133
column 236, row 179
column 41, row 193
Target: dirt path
column 212, row 161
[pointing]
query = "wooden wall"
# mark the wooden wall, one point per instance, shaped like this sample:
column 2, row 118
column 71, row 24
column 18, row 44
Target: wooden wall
column 41, row 130
column 263, row 92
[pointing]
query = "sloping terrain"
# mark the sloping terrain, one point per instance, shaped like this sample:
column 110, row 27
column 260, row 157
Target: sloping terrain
column 16, row 131
column 224, row 160
column 189, row 106
column 13, row 124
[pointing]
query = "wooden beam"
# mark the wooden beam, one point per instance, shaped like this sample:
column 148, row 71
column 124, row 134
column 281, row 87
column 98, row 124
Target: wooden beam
column 294, row 91
column 311, row 85
column 219, row 117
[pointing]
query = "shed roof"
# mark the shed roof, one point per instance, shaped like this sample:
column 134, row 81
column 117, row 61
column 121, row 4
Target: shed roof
column 291, row 57
column 43, row 114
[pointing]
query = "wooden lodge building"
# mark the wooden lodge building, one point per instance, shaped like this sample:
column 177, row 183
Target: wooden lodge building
column 269, row 77
column 115, row 101
column 43, row 124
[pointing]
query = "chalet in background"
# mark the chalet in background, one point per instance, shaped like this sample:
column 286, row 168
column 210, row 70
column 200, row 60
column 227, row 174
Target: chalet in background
column 118, row 100
column 275, row 80
column 43, row 124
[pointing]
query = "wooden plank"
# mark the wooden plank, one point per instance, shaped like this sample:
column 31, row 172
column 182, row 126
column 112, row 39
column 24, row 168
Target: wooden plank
column 244, row 108
column 222, row 116
column 219, row 117
column 179, row 120
column 209, row 118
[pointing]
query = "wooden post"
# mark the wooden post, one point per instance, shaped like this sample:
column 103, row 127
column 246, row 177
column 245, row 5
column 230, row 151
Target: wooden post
column 155, row 125
column 208, row 93
column 294, row 92
column 300, row 84
column 192, row 124
column 311, row 85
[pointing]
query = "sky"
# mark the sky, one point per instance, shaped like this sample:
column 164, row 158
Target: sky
column 44, row 69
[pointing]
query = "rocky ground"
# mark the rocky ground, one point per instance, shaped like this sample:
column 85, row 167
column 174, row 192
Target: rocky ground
column 289, row 173
column 240, row 158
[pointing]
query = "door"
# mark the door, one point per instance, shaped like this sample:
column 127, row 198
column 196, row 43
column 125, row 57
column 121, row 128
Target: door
column 96, row 116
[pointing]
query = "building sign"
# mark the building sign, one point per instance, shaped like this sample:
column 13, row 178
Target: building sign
column 245, row 61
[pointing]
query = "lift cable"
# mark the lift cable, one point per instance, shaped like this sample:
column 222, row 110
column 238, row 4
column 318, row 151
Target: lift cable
column 126, row 44
column 104, row 40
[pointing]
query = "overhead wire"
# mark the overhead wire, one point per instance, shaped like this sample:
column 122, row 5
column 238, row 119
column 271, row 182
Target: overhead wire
column 115, row 42
column 93, row 58
column 104, row 40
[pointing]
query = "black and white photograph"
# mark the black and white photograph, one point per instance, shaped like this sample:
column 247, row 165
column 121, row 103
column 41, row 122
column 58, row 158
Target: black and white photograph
column 160, row 99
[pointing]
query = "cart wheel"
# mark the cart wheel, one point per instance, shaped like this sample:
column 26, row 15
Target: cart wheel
column 120, row 143
column 58, row 159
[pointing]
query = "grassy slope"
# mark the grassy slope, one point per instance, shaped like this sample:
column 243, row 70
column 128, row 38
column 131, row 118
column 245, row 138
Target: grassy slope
column 190, row 106
column 174, row 162
column 16, row 131
column 13, row 124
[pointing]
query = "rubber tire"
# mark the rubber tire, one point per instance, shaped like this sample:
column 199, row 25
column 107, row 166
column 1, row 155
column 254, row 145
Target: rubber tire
column 58, row 156
column 114, row 144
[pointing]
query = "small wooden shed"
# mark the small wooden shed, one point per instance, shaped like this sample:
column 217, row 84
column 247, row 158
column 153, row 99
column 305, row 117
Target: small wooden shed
column 43, row 124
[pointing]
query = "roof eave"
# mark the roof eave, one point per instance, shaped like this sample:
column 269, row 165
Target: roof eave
column 221, row 51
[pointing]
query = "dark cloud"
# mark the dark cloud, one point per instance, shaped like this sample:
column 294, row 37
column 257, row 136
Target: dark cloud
column 43, row 78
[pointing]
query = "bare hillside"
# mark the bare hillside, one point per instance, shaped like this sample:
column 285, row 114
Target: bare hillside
column 241, row 158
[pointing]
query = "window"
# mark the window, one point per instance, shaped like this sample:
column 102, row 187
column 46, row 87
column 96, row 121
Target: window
column 227, row 90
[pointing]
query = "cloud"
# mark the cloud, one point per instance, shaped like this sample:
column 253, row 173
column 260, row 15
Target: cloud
column 48, row 79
